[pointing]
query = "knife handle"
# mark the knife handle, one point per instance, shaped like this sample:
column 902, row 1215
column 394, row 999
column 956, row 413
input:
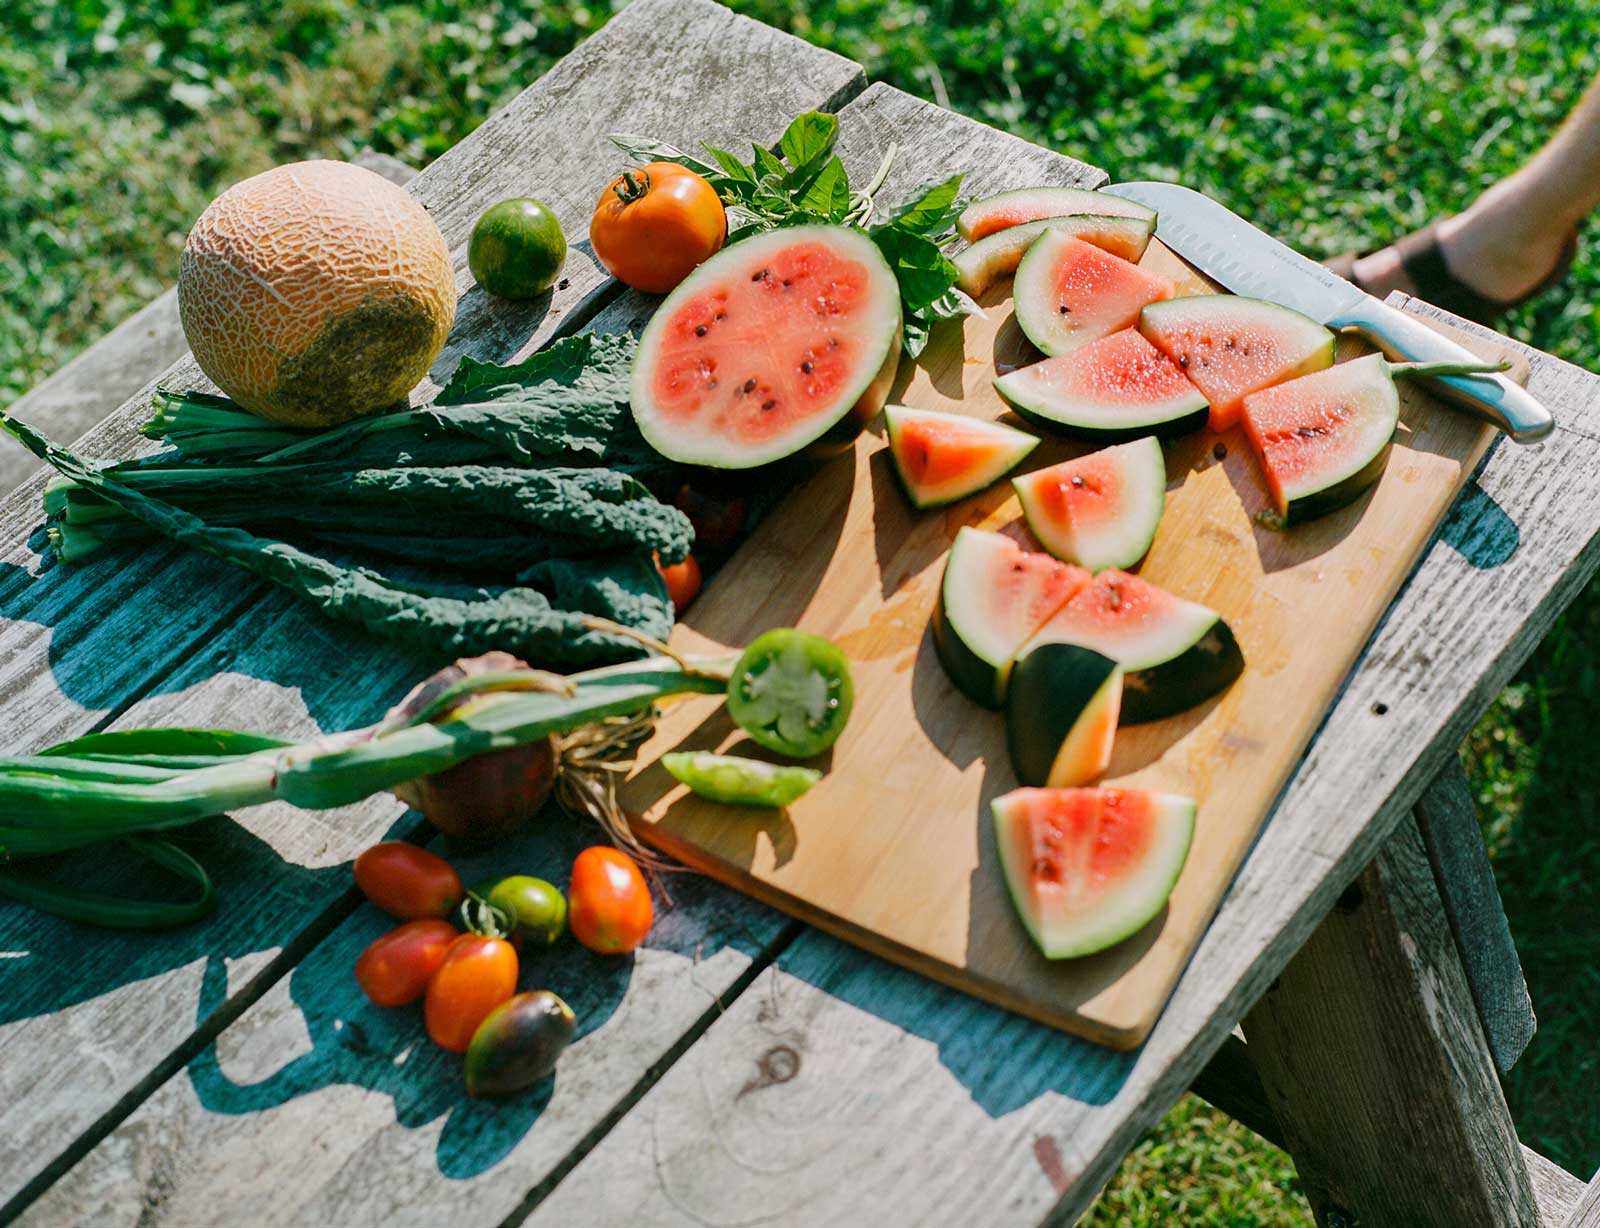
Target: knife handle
column 1491, row 397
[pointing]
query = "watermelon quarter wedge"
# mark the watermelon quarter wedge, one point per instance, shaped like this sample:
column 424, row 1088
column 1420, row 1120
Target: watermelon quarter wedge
column 1230, row 346
column 1069, row 292
column 1324, row 439
column 1118, row 387
column 1061, row 715
column 941, row 457
column 986, row 261
column 995, row 213
column 1087, row 868
column 783, row 342
column 1099, row 510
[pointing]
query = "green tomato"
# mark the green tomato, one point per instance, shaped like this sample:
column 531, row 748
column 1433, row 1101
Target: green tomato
column 517, row 249
column 517, row 1043
column 536, row 909
column 739, row 782
column 791, row 692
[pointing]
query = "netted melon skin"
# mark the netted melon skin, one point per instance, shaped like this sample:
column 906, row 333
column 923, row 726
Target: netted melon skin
column 316, row 292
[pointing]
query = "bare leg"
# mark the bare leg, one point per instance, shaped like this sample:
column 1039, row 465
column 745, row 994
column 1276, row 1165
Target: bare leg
column 1512, row 236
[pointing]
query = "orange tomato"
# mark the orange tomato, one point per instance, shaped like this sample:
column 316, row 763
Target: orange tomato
column 396, row 968
column 683, row 581
column 653, row 225
column 477, row 974
column 608, row 904
column 408, row 882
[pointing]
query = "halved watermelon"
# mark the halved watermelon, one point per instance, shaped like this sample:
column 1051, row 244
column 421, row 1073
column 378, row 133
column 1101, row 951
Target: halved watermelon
column 1099, row 510
column 1069, row 293
column 777, row 343
column 1230, row 346
column 1324, row 438
column 987, row 260
column 994, row 596
column 1061, row 715
column 1089, row 867
column 1176, row 653
column 1118, row 387
column 1008, row 209
column 941, row 457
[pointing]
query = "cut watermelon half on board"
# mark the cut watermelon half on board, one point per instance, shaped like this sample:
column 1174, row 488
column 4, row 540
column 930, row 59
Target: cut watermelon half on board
column 1176, row 653
column 942, row 457
column 1008, row 209
column 1099, row 510
column 993, row 597
column 1119, row 387
column 784, row 342
column 978, row 267
column 1069, row 293
column 1230, row 346
column 1061, row 715
column 1324, row 439
column 1087, row 868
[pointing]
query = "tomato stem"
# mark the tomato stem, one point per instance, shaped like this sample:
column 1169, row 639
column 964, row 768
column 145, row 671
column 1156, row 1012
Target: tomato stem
column 629, row 188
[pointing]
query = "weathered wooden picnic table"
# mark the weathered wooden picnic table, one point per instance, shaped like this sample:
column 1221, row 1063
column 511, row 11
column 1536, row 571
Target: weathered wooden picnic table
column 744, row 1067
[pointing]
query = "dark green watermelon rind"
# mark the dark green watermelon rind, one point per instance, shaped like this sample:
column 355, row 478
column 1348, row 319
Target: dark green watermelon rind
column 1051, row 689
column 981, row 681
column 1162, row 428
column 981, row 480
column 1341, row 494
column 1208, row 666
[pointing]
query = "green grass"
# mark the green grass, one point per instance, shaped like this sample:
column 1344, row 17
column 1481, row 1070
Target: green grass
column 1336, row 125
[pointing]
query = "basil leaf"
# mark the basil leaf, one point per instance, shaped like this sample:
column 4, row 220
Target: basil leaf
column 952, row 303
column 648, row 149
column 808, row 141
column 828, row 195
column 914, row 335
column 929, row 210
column 731, row 166
column 923, row 271
column 769, row 164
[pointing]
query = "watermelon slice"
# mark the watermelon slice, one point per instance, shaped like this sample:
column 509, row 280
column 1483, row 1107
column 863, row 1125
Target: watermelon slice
column 1230, row 346
column 1118, row 387
column 1061, row 715
column 785, row 341
column 940, row 457
column 988, row 260
column 995, row 213
column 994, row 596
column 1099, row 510
column 1176, row 653
column 1089, row 867
column 1324, row 438
column 1069, row 293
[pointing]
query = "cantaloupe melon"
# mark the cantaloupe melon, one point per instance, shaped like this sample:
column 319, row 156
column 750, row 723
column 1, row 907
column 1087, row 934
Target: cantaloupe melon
column 316, row 292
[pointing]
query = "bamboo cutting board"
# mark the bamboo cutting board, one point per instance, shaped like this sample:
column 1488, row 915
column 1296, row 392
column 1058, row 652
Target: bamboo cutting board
column 894, row 849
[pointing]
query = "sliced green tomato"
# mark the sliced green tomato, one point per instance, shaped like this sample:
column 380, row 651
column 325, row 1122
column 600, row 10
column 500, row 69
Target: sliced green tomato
column 791, row 692
column 739, row 782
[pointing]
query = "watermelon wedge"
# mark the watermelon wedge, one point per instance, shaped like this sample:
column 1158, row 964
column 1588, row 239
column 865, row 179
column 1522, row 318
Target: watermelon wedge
column 997, row 256
column 1176, row 653
column 1087, row 868
column 1118, row 387
column 1230, row 346
column 784, row 342
column 1324, row 439
column 993, row 597
column 1069, row 293
column 1061, row 715
column 995, row 213
column 1099, row 510
column 942, row 457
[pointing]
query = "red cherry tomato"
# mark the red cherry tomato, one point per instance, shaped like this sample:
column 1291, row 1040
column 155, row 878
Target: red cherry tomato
column 396, row 968
column 408, row 882
column 477, row 974
column 654, row 224
column 718, row 519
column 683, row 581
column 608, row 904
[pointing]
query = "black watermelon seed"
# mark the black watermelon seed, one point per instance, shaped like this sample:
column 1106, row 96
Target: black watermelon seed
column 701, row 331
column 1220, row 451
column 749, row 385
column 759, row 276
column 806, row 366
column 1065, row 310
column 768, row 404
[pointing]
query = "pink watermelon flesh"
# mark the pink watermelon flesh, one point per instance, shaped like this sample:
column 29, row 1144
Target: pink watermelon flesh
column 943, row 457
column 765, row 346
column 1230, row 346
column 1117, row 385
column 1089, row 867
column 1320, row 438
column 1008, row 209
column 1127, row 619
column 1100, row 510
column 1069, row 293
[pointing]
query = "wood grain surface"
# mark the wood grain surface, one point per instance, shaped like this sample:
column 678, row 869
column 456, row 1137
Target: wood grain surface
column 893, row 850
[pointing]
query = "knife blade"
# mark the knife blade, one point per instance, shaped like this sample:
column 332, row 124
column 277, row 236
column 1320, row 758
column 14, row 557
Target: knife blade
column 1229, row 250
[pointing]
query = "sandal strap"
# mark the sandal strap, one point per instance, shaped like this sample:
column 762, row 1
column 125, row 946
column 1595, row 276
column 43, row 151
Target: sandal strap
column 1424, row 263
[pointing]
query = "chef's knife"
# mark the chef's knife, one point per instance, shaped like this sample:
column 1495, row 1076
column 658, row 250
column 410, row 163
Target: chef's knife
column 1226, row 248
